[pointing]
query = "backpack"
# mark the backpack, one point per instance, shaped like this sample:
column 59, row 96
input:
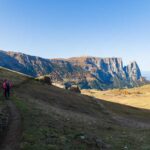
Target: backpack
column 7, row 85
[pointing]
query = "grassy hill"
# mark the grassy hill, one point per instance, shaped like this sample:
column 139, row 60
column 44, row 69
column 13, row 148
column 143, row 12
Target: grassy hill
column 56, row 119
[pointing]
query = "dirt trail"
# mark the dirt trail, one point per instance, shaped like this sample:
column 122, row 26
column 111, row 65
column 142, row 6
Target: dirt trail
column 12, row 138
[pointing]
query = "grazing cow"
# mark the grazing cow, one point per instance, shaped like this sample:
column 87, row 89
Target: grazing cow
column 45, row 79
column 75, row 89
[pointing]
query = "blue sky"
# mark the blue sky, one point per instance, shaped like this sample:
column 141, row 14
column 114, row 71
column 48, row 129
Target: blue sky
column 66, row 28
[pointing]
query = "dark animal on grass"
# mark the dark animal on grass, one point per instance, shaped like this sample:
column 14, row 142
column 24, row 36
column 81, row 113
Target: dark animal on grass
column 46, row 80
column 75, row 89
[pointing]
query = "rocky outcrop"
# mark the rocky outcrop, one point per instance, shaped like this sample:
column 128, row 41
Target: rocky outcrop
column 87, row 72
column 31, row 65
column 110, row 72
column 133, row 71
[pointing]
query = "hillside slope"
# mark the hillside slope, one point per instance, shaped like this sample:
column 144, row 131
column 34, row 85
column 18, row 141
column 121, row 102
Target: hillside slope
column 54, row 119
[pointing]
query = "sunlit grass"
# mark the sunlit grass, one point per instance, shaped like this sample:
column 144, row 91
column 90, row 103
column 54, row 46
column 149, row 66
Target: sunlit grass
column 137, row 97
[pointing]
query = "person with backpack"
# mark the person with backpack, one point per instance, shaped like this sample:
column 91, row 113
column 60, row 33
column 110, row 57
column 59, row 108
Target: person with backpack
column 7, row 86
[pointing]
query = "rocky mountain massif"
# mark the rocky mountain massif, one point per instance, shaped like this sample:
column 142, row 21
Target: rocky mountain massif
column 87, row 72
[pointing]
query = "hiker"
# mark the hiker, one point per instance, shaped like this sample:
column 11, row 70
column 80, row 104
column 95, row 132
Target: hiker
column 7, row 86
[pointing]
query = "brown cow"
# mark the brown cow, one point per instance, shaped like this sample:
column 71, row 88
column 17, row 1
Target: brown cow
column 75, row 89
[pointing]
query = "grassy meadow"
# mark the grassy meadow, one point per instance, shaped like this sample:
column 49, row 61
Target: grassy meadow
column 56, row 119
column 136, row 97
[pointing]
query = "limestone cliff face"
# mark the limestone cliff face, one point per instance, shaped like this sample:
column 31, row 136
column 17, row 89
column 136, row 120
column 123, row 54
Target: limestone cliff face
column 27, row 64
column 87, row 72
column 110, row 72
column 133, row 71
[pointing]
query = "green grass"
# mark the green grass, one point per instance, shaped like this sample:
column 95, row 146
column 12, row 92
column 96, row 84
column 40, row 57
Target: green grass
column 46, row 131
column 41, row 131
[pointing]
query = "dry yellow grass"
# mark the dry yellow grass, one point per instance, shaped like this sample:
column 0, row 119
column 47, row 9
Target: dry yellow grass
column 136, row 97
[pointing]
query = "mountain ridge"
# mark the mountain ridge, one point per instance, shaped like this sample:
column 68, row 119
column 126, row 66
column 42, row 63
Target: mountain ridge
column 85, row 71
